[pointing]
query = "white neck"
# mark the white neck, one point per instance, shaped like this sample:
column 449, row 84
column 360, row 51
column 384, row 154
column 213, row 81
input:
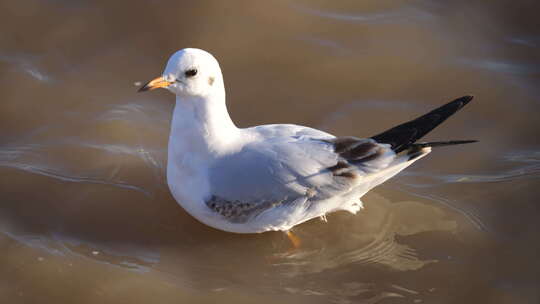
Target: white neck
column 202, row 126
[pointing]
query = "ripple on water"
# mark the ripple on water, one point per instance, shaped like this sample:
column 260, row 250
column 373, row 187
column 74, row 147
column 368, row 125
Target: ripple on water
column 368, row 238
column 394, row 16
column 523, row 165
column 28, row 65
column 76, row 151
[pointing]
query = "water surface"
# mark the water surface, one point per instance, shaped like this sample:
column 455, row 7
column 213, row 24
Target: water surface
column 86, row 216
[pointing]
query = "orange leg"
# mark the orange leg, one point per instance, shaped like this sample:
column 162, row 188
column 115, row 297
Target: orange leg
column 294, row 239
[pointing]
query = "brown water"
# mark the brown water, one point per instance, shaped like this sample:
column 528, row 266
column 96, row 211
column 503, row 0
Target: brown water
column 85, row 214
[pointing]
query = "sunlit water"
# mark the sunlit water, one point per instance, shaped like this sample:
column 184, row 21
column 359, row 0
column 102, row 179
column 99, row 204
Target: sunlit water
column 86, row 216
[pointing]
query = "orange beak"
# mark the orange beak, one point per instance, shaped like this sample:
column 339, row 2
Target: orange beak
column 153, row 84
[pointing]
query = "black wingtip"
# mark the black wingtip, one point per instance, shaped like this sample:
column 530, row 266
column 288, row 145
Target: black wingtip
column 402, row 136
column 467, row 98
column 458, row 103
column 464, row 100
column 443, row 143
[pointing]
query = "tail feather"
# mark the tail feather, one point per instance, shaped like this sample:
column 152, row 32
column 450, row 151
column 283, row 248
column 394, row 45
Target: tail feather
column 405, row 135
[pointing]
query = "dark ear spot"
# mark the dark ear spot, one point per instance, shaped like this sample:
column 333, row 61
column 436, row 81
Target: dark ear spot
column 210, row 80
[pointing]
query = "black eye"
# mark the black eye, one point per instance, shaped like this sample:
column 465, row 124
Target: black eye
column 190, row 72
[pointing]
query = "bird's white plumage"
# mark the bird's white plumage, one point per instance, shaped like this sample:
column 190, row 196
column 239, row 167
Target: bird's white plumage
column 257, row 179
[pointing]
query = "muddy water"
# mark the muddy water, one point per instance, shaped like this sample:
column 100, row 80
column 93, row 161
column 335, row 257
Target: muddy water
column 85, row 214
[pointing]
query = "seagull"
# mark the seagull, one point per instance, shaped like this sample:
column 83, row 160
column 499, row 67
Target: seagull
column 273, row 177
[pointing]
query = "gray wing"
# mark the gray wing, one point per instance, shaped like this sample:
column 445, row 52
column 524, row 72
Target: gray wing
column 294, row 162
column 281, row 170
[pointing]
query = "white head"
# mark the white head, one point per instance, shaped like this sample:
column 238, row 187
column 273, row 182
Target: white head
column 190, row 73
